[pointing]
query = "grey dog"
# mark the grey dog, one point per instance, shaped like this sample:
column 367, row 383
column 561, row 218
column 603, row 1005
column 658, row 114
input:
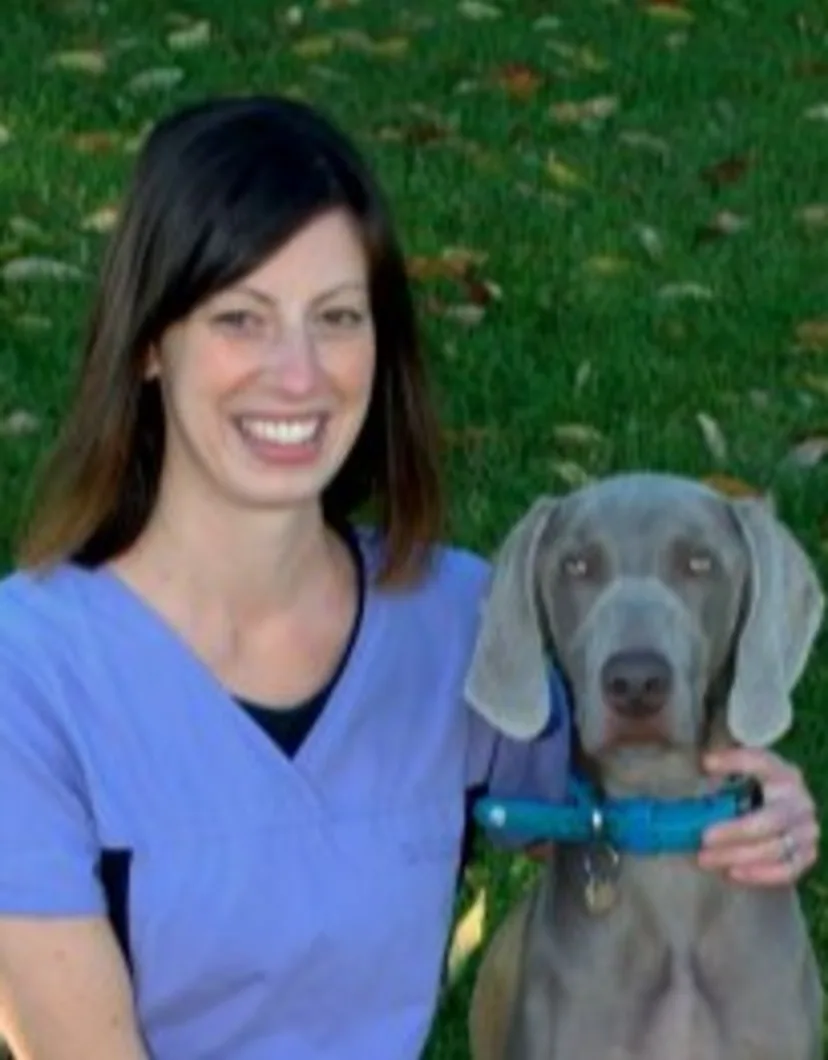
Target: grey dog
column 681, row 620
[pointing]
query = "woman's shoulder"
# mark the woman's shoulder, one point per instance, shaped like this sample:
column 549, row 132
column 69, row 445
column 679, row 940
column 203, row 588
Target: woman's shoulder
column 39, row 608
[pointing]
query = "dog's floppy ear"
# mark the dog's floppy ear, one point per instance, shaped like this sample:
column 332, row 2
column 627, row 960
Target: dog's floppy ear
column 785, row 605
column 508, row 682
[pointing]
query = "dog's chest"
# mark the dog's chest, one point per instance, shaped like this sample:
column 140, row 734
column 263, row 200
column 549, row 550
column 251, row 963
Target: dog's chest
column 674, row 970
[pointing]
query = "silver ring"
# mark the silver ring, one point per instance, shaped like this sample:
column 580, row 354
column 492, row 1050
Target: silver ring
column 789, row 848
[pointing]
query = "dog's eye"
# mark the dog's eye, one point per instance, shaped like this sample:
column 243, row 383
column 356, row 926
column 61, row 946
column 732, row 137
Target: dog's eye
column 575, row 566
column 699, row 563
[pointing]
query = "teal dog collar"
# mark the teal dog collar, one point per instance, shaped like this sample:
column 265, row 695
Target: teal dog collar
column 633, row 825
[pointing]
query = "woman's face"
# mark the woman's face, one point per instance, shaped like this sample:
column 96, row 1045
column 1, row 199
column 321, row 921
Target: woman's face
column 267, row 384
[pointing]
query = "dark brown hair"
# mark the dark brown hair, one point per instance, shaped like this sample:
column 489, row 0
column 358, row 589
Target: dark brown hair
column 217, row 189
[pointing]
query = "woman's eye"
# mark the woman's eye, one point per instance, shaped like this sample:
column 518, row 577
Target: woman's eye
column 240, row 321
column 342, row 317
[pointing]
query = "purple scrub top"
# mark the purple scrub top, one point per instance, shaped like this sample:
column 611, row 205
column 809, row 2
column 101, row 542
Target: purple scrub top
column 275, row 908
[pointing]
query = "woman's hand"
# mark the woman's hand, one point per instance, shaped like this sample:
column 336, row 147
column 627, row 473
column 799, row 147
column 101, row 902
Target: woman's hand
column 776, row 844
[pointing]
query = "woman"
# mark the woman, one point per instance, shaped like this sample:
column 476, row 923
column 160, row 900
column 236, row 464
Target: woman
column 231, row 727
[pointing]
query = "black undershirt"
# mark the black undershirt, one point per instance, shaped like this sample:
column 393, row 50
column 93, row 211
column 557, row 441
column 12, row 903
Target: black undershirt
column 289, row 727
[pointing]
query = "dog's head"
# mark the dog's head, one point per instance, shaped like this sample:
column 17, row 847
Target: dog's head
column 661, row 601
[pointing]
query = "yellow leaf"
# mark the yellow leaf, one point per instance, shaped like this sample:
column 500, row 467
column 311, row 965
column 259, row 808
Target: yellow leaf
column 82, row 61
column 468, row 935
column 103, row 220
column 812, row 335
column 817, row 383
column 565, row 176
column 572, row 112
column 713, row 437
column 606, row 265
column 314, row 47
column 577, row 434
column 157, row 78
column 571, row 473
column 670, row 12
column 730, row 486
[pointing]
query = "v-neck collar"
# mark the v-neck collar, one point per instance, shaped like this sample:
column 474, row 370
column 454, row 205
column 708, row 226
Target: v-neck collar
column 117, row 593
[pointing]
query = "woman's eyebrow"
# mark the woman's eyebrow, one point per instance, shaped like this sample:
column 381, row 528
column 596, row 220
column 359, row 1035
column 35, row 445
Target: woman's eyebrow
column 268, row 300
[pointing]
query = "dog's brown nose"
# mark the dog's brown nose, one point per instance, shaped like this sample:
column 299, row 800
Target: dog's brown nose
column 636, row 683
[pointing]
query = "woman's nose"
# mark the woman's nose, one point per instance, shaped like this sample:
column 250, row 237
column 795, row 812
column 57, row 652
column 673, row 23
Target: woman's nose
column 292, row 361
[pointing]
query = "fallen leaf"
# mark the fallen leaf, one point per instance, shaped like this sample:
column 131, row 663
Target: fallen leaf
column 724, row 223
column 25, row 228
column 647, row 141
column 815, row 215
column 606, row 265
column 727, row 171
column 478, row 11
column 564, row 175
column 571, row 473
column 817, row 383
column 582, row 57
column 102, row 220
column 5, row 135
column 389, row 47
column 156, row 79
column 18, row 423
column 581, row 434
column 713, row 437
column 196, row 35
column 665, row 11
column 33, row 322
column 809, row 452
column 651, row 241
column 518, row 80
column 676, row 291
column 470, row 315
column 82, row 61
column 467, row 936
column 573, row 112
column 817, row 112
column 95, row 142
column 582, row 375
column 731, row 486
column 36, row 268
column 812, row 335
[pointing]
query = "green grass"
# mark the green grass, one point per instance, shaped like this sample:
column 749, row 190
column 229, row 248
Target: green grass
column 582, row 331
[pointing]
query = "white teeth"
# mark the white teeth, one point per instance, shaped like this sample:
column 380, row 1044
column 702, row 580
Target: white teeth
column 281, row 432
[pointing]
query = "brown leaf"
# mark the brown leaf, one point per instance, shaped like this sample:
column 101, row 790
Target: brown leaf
column 731, row 487
column 812, row 335
column 727, row 171
column 518, row 80
column 95, row 142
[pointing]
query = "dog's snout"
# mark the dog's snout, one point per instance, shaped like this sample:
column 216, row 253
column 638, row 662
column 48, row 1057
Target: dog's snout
column 637, row 683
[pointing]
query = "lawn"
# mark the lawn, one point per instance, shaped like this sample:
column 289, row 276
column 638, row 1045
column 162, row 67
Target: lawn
column 616, row 214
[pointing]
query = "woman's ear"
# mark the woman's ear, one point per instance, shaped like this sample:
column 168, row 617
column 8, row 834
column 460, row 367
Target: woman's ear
column 152, row 363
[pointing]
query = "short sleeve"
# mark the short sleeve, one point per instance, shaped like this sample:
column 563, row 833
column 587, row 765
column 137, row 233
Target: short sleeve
column 48, row 849
column 535, row 768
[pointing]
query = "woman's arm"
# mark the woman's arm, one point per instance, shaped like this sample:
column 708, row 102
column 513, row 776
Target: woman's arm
column 64, row 991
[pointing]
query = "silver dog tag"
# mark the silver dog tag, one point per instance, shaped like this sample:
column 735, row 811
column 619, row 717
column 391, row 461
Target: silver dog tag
column 601, row 864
